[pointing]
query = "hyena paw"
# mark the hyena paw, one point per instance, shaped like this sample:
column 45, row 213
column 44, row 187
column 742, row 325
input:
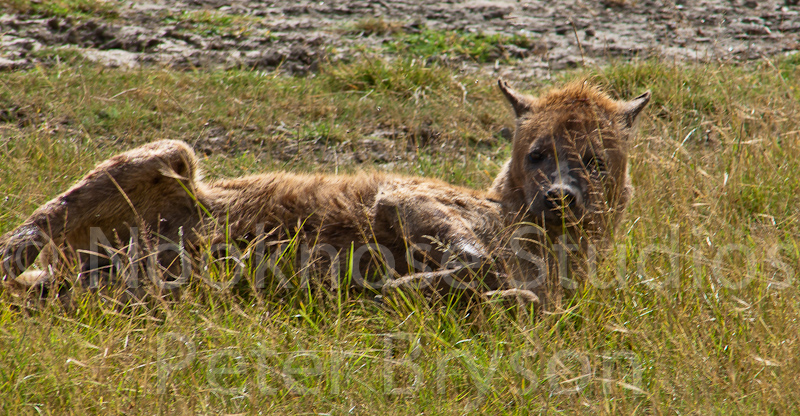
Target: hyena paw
column 522, row 296
column 19, row 249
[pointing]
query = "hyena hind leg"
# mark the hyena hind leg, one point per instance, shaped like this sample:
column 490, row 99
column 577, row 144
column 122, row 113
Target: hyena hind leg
column 144, row 188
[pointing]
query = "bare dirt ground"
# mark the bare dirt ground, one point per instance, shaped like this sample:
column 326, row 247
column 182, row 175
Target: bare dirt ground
column 295, row 35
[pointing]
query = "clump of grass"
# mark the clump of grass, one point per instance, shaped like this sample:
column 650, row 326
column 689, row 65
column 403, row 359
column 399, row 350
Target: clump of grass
column 479, row 47
column 64, row 8
column 401, row 77
column 211, row 22
column 375, row 26
column 617, row 3
column 52, row 56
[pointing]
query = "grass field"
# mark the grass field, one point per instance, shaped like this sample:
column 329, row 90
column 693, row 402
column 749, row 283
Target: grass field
column 694, row 312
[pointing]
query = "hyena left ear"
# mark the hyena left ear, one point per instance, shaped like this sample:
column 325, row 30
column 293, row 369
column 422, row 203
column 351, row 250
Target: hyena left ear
column 520, row 102
column 631, row 109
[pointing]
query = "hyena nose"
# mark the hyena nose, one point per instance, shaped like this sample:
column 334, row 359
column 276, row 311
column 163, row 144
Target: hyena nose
column 560, row 198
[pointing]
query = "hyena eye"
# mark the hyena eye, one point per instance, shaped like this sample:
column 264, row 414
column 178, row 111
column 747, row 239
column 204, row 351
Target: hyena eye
column 596, row 164
column 535, row 157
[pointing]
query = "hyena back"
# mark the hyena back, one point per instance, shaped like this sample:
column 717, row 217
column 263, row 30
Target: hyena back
column 567, row 176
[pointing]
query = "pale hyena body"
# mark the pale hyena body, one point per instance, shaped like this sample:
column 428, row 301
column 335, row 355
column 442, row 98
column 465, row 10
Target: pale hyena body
column 565, row 184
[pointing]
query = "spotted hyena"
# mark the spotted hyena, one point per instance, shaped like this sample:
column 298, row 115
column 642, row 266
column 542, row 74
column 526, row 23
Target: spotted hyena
column 565, row 184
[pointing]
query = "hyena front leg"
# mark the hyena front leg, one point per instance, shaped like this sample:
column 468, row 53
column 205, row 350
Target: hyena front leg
column 460, row 278
column 449, row 234
column 151, row 188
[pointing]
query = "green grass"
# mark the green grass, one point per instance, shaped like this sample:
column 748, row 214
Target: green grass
column 374, row 25
column 211, row 22
column 479, row 47
column 692, row 313
column 64, row 8
column 411, row 41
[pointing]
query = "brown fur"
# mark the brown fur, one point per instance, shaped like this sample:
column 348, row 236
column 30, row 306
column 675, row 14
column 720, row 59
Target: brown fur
column 552, row 181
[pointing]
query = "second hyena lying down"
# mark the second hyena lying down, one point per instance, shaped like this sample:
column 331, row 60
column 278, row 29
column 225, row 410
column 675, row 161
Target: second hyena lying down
column 566, row 183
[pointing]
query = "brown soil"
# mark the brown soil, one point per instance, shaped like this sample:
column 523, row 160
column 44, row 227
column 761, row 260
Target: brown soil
column 295, row 35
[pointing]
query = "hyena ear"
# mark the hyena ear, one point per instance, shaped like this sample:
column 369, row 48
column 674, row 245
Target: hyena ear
column 631, row 109
column 520, row 102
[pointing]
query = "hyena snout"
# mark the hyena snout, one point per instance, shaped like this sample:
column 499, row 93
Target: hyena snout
column 563, row 199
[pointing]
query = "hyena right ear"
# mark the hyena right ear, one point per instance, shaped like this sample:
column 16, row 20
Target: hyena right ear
column 520, row 102
column 632, row 108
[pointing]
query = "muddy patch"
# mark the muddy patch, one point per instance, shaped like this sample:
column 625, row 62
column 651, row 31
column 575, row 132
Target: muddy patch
column 296, row 36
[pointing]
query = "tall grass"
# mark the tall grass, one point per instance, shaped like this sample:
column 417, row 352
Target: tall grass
column 695, row 310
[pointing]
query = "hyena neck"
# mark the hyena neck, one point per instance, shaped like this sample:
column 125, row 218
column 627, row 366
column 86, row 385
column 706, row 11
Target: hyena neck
column 509, row 196
column 218, row 206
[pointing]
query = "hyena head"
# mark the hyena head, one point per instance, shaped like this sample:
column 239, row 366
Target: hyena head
column 569, row 162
